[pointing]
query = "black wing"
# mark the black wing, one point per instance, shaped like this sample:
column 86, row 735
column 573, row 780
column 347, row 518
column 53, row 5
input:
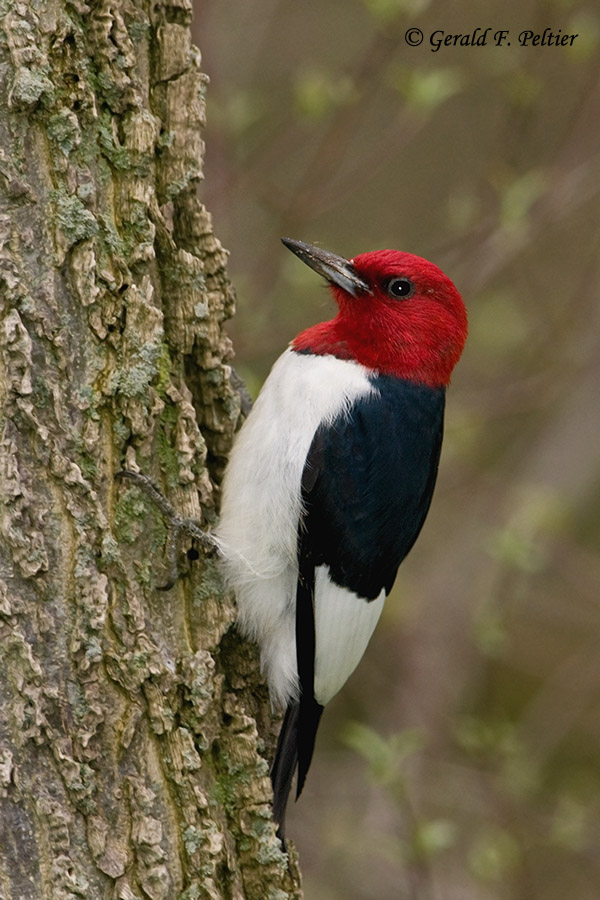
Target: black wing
column 366, row 488
column 368, row 483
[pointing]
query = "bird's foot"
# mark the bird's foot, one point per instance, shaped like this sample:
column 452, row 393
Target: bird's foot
column 177, row 525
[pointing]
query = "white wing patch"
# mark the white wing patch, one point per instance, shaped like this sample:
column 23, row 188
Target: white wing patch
column 344, row 623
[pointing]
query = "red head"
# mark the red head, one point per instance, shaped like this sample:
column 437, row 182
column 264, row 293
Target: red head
column 398, row 314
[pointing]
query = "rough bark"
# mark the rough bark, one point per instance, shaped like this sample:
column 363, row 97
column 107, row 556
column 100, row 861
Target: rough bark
column 133, row 724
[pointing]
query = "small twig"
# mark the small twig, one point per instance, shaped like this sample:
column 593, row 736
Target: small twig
column 177, row 525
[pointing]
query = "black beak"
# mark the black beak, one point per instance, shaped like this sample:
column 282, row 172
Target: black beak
column 335, row 269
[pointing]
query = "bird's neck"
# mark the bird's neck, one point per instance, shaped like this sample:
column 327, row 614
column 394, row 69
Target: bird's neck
column 388, row 352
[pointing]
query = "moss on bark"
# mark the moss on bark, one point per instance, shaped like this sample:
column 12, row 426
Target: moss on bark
column 135, row 725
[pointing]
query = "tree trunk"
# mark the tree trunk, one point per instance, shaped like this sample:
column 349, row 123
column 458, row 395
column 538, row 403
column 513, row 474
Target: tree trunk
column 134, row 725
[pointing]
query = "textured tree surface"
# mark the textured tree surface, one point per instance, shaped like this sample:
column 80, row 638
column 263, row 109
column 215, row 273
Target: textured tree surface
column 134, row 726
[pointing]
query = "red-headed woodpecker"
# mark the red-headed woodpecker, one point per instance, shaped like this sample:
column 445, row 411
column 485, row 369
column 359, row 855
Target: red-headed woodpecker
column 331, row 477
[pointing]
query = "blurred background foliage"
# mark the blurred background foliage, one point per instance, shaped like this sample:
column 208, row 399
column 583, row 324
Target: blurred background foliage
column 462, row 760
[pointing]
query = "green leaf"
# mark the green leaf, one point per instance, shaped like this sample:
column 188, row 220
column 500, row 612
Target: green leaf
column 586, row 26
column 317, row 93
column 386, row 11
column 433, row 837
column 425, row 90
column 518, row 197
column 385, row 756
column 493, row 855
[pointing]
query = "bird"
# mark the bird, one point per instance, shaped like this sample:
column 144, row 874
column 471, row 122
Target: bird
column 330, row 480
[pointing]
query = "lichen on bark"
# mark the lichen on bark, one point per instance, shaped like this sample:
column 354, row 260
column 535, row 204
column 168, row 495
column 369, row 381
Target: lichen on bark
column 135, row 725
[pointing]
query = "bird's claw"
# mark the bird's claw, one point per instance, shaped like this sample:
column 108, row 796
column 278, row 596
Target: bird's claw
column 176, row 526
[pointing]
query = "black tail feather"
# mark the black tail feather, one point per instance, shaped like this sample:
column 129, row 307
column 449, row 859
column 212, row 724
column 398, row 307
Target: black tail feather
column 309, row 717
column 299, row 730
column 284, row 765
column 294, row 751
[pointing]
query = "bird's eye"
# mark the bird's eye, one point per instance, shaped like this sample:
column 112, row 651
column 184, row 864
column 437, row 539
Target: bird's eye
column 400, row 288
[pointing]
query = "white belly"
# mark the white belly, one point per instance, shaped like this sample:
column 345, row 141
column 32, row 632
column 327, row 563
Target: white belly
column 257, row 533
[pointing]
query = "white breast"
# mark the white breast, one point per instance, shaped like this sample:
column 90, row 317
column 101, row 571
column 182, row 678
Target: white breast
column 257, row 533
